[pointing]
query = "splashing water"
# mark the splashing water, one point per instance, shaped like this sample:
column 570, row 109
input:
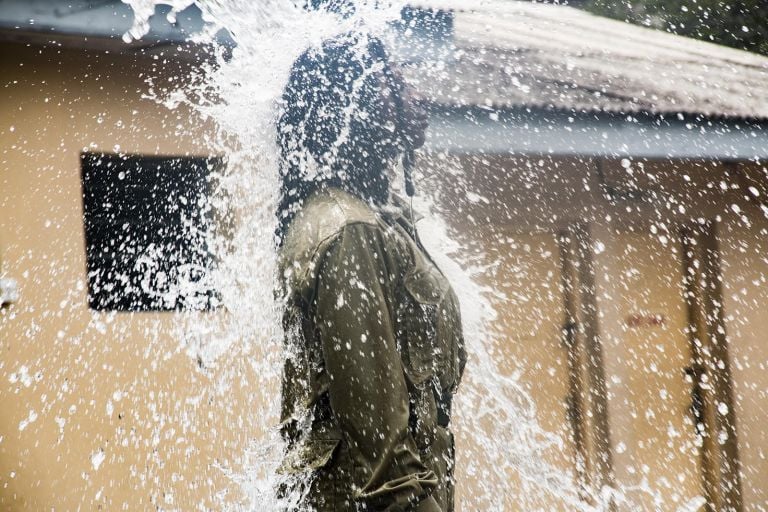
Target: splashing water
column 240, row 93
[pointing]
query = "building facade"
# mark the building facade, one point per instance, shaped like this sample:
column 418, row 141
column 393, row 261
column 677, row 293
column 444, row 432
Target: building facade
column 613, row 179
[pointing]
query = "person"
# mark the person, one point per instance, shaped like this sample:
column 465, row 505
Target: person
column 374, row 346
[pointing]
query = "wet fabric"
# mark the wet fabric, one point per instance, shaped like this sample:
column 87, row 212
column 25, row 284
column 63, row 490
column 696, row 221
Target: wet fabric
column 375, row 354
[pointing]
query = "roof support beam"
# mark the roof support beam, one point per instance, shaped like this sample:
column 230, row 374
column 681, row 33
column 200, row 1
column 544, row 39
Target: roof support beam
column 595, row 134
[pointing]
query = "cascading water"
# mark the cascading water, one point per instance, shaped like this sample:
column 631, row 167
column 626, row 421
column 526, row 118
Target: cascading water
column 239, row 92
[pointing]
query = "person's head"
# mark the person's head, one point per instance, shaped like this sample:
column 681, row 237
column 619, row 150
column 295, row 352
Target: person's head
column 346, row 117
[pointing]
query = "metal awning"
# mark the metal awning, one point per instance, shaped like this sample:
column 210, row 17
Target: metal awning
column 538, row 131
column 102, row 23
column 513, row 77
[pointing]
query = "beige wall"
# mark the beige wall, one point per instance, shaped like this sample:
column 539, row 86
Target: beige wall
column 74, row 382
column 745, row 269
column 526, row 345
column 63, row 368
column 639, row 272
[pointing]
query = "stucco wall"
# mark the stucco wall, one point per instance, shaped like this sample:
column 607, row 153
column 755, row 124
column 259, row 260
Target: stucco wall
column 107, row 410
column 745, row 293
column 99, row 410
column 639, row 274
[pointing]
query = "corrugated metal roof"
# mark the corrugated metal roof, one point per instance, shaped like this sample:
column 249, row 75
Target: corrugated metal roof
column 502, row 53
column 521, row 54
column 97, row 24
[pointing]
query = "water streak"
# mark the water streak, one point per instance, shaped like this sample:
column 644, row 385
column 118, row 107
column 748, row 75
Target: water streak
column 239, row 91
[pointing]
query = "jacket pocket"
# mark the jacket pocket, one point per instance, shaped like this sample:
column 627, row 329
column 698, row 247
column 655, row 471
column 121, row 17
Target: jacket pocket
column 439, row 457
column 309, row 456
column 318, row 477
column 424, row 294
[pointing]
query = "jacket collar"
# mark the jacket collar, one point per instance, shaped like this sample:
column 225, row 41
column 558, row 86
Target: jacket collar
column 399, row 210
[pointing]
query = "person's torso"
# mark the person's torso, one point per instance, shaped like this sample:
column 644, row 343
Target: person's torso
column 426, row 319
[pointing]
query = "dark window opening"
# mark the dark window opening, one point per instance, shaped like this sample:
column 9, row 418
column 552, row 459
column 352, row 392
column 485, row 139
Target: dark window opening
column 148, row 222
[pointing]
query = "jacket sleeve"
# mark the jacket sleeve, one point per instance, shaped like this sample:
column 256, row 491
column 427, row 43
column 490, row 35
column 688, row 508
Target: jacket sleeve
column 368, row 393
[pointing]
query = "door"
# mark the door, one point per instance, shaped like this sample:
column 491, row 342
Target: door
column 517, row 452
column 655, row 444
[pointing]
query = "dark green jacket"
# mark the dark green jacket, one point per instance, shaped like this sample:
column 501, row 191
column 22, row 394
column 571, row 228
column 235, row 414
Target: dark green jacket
column 375, row 354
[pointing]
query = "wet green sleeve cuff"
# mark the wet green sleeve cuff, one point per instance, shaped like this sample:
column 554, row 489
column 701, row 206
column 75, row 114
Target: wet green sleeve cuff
column 428, row 505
